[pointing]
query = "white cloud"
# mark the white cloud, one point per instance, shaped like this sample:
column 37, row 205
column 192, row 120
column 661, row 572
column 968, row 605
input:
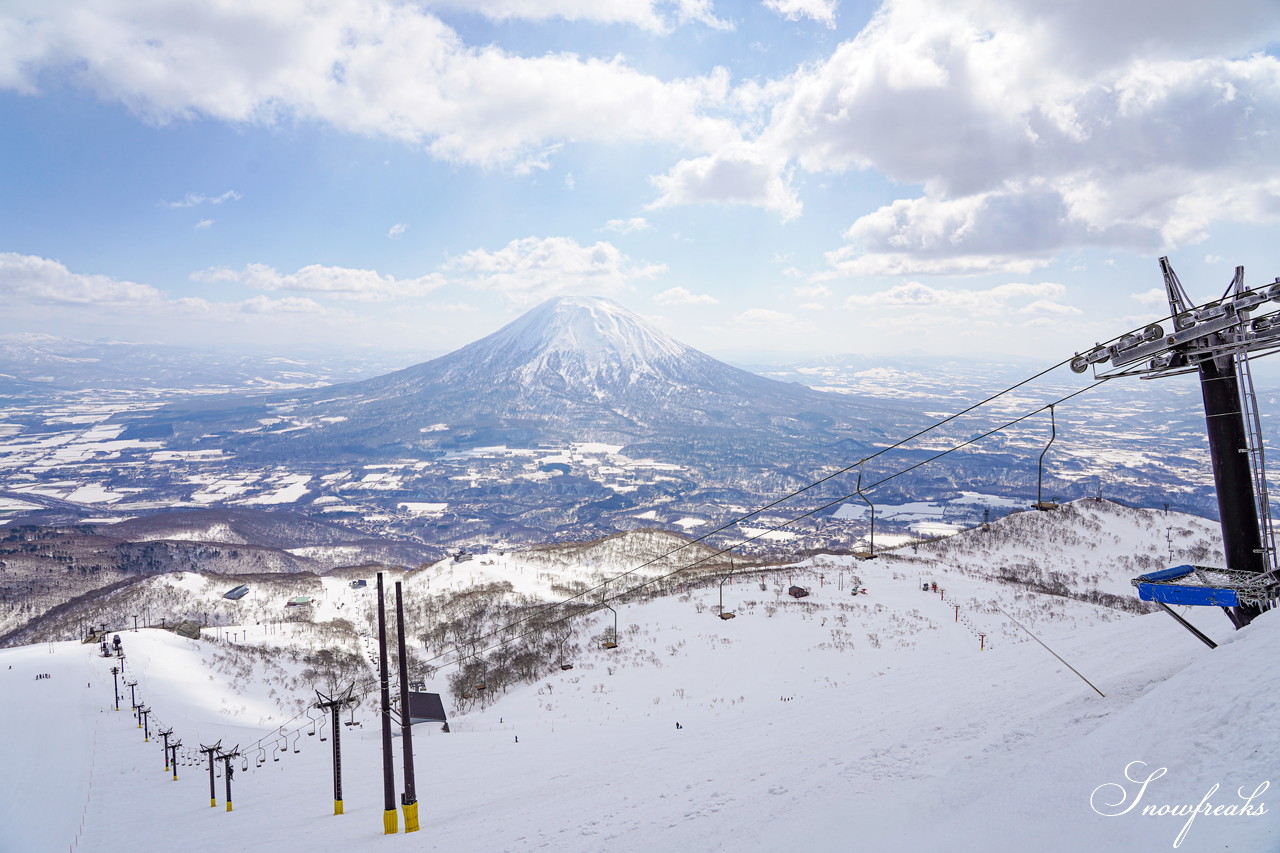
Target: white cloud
column 768, row 320
column 1155, row 298
column 46, row 284
column 531, row 269
column 812, row 291
column 626, row 226
column 645, row 14
column 197, row 199
column 397, row 231
column 34, row 280
column 569, row 181
column 363, row 66
column 1139, row 133
column 1041, row 298
column 683, row 296
column 822, row 11
column 287, row 305
column 204, row 223
column 734, row 175
column 335, row 282
column 1014, row 229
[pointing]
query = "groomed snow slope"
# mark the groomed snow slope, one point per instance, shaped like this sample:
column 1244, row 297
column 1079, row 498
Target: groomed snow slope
column 887, row 731
column 960, row 750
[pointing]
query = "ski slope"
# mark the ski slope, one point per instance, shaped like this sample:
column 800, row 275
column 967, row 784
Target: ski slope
column 889, row 730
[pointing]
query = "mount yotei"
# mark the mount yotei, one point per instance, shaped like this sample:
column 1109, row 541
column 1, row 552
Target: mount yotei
column 572, row 369
column 576, row 420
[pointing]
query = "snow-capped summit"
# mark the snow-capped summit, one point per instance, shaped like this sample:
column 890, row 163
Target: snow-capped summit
column 581, row 338
column 593, row 349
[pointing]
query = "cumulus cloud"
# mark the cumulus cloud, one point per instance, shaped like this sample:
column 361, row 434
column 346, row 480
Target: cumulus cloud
column 822, row 11
column 683, row 296
column 531, row 269
column 1014, row 229
column 397, row 231
column 1137, row 134
column 333, row 282
column 34, row 280
column 43, row 283
column 204, row 223
column 626, row 226
column 364, row 66
column 197, row 199
column 735, row 175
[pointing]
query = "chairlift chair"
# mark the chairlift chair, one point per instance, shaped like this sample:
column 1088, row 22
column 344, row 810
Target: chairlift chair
column 566, row 666
column 1041, row 504
column 612, row 642
column 1204, row 586
column 868, row 553
column 723, row 614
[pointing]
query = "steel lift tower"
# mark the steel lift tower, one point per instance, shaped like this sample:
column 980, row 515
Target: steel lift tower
column 1216, row 341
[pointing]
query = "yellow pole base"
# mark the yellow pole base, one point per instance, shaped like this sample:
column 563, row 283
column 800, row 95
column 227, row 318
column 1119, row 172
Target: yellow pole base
column 390, row 822
column 337, row 806
column 410, row 817
column 228, row 805
column 175, row 777
column 213, row 803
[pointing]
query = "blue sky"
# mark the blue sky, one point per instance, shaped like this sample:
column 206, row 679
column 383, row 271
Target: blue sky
column 761, row 179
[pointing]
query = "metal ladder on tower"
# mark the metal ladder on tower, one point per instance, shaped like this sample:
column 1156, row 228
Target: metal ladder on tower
column 1253, row 440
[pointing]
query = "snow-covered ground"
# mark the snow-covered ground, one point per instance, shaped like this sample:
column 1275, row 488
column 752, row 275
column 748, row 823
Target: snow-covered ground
column 837, row 722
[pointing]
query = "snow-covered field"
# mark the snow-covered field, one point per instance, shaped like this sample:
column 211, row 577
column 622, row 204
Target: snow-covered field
column 837, row 722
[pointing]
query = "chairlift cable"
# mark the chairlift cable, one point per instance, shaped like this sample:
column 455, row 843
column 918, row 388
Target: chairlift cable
column 761, row 534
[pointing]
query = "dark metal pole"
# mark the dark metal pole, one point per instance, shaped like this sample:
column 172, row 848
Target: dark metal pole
column 174, row 762
column 145, row 713
column 115, row 684
column 227, row 770
column 213, row 791
column 390, row 822
column 164, row 733
column 337, row 761
column 409, row 801
column 334, row 706
column 1232, row 473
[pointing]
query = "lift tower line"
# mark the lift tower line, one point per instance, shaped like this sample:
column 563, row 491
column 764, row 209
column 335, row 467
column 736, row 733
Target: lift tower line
column 390, row 821
column 227, row 770
column 1216, row 341
column 213, row 791
column 334, row 704
column 409, row 800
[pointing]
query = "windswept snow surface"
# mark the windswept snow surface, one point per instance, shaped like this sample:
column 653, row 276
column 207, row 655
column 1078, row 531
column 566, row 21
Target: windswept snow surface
column 834, row 723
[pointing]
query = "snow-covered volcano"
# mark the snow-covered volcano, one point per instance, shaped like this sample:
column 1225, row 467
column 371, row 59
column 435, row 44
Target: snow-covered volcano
column 572, row 369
